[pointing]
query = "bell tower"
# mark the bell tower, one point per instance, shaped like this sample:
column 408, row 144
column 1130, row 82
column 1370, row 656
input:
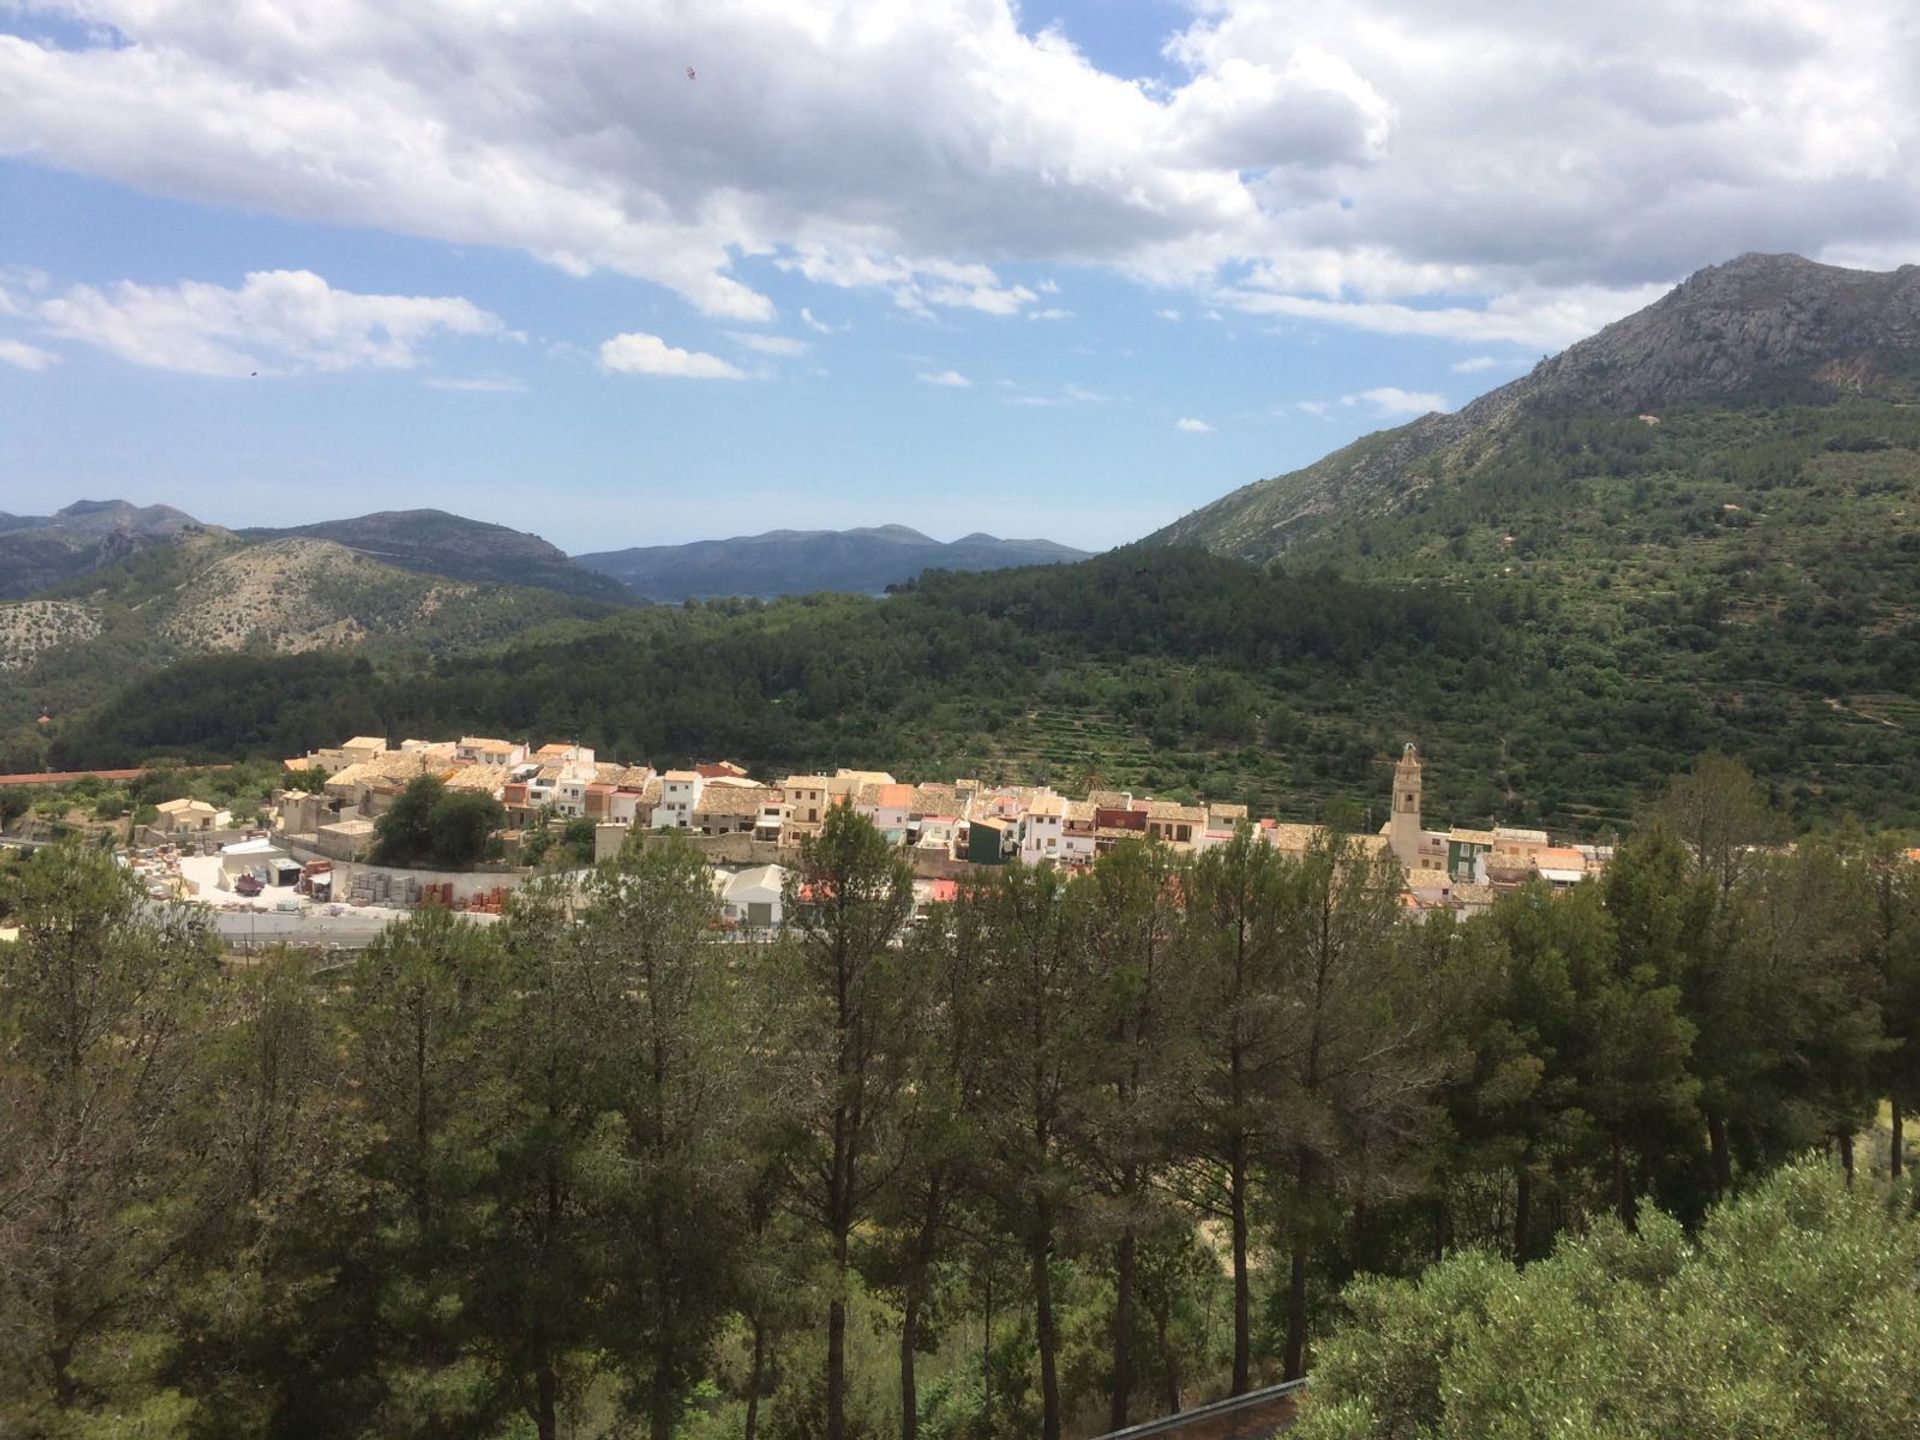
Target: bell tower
column 1403, row 832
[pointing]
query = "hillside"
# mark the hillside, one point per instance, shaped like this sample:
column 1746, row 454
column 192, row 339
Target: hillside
column 209, row 592
column 802, row 562
column 1694, row 532
column 1748, row 335
column 39, row 551
column 437, row 543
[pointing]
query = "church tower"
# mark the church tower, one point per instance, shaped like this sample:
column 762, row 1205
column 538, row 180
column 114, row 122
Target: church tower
column 1403, row 832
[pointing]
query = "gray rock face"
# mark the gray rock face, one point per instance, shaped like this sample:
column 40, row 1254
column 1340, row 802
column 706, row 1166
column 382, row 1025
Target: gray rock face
column 1733, row 327
column 1756, row 325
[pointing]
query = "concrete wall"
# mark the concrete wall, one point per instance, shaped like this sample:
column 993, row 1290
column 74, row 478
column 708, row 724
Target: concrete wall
column 466, row 883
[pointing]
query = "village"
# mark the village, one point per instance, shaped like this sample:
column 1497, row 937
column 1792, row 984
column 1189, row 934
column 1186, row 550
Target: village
column 310, row 854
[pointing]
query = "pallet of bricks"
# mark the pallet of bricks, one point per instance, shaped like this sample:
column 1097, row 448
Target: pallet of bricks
column 489, row 902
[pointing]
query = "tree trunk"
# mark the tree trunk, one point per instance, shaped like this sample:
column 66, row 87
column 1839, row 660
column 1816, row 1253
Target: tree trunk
column 1169, row 1362
column 916, row 1288
column 1845, row 1138
column 986, row 1355
column 1045, row 1336
column 755, row 1375
column 1622, row 1188
column 1122, row 1332
column 837, row 1344
column 1297, row 1307
column 661, row 1417
column 1296, row 1361
column 909, row 1385
column 1242, row 1294
column 1522, row 1209
column 1722, row 1155
column 546, row 1422
column 1895, row 1161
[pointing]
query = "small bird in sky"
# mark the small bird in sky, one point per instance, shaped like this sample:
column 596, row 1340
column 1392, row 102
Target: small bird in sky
column 690, row 74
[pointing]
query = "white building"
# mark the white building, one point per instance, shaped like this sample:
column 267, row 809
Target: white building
column 679, row 793
column 753, row 899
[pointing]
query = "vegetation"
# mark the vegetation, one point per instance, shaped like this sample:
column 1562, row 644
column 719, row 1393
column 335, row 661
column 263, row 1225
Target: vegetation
column 209, row 592
column 1057, row 1155
column 1792, row 1312
column 1541, row 695
column 432, row 826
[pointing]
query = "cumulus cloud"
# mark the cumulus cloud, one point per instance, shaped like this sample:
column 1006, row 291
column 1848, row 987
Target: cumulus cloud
column 276, row 322
column 638, row 353
column 1474, row 365
column 1473, row 170
column 1193, row 426
column 23, row 356
column 1392, row 400
column 953, row 379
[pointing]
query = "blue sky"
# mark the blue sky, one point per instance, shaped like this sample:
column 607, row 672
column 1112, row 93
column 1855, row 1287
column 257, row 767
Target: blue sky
column 1066, row 270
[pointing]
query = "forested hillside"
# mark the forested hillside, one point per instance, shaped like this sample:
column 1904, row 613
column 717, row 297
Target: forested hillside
column 1067, row 1152
column 1163, row 670
column 210, row 593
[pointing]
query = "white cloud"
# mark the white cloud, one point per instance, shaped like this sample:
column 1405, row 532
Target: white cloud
column 812, row 323
column 1392, row 400
column 1085, row 396
column 1192, row 426
column 1168, row 314
column 1470, row 170
column 277, row 322
column 638, row 353
column 1053, row 312
column 950, row 378
column 477, row 384
column 1474, row 365
column 1316, row 408
column 781, row 347
column 23, row 356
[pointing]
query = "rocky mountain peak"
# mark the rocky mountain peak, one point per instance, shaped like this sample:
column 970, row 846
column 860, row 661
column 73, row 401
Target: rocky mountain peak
column 1730, row 329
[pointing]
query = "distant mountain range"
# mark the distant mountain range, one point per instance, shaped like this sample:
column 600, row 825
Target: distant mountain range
column 797, row 562
column 434, row 542
column 38, row 551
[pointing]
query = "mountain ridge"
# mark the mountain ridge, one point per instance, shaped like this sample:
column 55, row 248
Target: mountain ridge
column 865, row 560
column 439, row 542
column 1757, row 326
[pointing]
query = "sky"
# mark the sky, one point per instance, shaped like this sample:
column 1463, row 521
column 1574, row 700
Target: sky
column 627, row 272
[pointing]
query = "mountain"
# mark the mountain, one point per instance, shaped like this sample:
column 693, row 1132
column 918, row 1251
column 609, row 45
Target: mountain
column 437, row 543
column 799, row 562
column 1754, row 332
column 38, row 551
column 211, row 592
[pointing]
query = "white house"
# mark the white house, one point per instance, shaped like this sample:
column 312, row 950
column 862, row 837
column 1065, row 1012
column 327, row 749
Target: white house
column 479, row 750
column 1042, row 829
column 679, row 793
column 752, row 899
